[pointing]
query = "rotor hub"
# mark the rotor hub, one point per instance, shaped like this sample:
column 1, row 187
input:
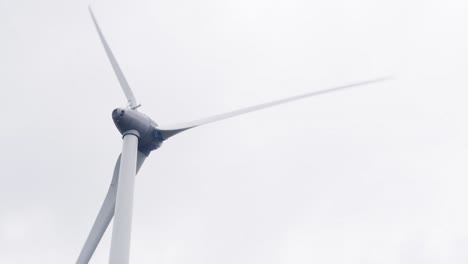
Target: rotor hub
column 126, row 119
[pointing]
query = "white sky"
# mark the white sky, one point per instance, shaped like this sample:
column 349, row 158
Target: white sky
column 371, row 175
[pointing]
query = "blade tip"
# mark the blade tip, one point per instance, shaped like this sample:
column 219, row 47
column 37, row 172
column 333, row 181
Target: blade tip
column 388, row 78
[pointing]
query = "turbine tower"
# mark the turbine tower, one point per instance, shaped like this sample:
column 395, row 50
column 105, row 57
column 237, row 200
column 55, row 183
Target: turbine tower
column 141, row 135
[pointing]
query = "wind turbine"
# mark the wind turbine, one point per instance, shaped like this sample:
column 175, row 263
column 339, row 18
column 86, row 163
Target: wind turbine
column 141, row 135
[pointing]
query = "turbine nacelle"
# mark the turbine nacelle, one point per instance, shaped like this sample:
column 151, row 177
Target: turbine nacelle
column 127, row 119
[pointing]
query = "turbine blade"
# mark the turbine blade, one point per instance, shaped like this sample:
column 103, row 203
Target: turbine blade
column 132, row 102
column 171, row 130
column 105, row 214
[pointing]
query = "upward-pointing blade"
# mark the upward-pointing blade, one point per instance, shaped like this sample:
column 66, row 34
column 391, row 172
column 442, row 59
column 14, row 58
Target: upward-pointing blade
column 118, row 72
column 169, row 131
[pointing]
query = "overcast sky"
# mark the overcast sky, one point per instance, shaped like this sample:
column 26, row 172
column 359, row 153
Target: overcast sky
column 376, row 174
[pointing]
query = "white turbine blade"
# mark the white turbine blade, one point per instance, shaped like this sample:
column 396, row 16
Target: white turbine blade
column 168, row 131
column 118, row 72
column 121, row 230
column 105, row 214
